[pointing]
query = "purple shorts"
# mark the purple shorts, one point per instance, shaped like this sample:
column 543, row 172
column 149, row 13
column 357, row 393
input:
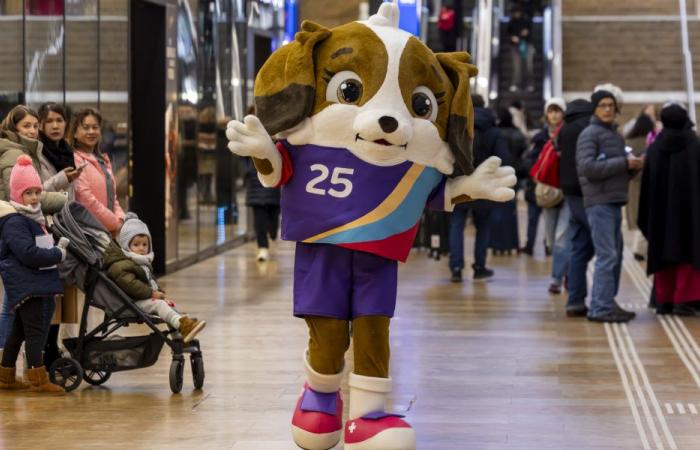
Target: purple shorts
column 332, row 281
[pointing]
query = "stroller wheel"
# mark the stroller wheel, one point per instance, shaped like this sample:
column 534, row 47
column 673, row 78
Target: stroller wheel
column 96, row 377
column 67, row 373
column 197, row 370
column 177, row 369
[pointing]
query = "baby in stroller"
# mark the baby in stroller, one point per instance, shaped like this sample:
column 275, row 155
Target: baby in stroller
column 130, row 268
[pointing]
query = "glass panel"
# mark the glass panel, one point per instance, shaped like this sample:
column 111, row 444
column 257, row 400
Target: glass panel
column 82, row 37
column 44, row 52
column 207, row 118
column 188, row 99
column 113, row 87
column 12, row 73
column 230, row 211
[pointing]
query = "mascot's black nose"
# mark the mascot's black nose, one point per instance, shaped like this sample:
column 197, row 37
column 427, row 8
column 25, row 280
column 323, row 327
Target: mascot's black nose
column 388, row 124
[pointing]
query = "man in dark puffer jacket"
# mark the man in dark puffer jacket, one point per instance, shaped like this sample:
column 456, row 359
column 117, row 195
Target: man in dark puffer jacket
column 604, row 170
column 577, row 117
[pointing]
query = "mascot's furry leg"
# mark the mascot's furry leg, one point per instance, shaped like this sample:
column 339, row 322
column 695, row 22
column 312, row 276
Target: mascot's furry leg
column 318, row 417
column 369, row 426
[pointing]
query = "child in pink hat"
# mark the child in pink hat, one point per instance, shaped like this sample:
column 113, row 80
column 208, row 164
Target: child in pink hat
column 28, row 259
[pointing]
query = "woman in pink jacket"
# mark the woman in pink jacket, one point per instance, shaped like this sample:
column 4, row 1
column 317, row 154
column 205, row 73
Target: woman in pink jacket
column 96, row 187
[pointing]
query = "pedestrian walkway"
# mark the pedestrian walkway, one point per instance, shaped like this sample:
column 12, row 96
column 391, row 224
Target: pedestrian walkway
column 487, row 365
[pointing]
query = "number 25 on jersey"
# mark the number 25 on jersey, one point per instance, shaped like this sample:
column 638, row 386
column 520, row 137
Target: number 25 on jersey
column 344, row 185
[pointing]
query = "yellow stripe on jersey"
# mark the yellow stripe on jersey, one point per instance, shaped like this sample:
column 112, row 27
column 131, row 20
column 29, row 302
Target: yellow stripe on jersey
column 385, row 208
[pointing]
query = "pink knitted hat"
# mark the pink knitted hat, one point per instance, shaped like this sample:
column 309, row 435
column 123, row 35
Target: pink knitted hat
column 23, row 177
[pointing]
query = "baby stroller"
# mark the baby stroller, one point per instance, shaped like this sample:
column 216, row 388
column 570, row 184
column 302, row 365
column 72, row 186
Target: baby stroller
column 96, row 354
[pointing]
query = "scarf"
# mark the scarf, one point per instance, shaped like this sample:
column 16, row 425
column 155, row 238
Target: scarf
column 33, row 213
column 145, row 262
column 60, row 154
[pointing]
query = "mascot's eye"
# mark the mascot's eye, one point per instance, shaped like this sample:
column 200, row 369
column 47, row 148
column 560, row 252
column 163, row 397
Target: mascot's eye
column 344, row 87
column 424, row 104
column 350, row 91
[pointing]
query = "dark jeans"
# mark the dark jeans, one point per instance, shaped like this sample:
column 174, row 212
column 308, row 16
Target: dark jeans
column 266, row 221
column 458, row 220
column 30, row 326
column 606, row 232
column 582, row 251
column 533, row 221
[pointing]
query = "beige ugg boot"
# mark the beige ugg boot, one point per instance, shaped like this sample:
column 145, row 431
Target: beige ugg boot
column 8, row 380
column 39, row 381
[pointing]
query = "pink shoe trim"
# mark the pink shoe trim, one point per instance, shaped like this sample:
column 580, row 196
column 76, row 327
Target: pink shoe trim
column 359, row 430
column 318, row 422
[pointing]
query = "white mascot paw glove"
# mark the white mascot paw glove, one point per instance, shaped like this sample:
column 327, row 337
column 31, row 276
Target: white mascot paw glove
column 249, row 138
column 489, row 181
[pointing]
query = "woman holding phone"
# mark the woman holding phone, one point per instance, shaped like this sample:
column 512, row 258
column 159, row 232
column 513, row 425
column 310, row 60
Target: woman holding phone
column 58, row 161
column 59, row 169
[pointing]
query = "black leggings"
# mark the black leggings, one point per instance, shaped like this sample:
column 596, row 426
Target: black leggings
column 30, row 325
column 266, row 219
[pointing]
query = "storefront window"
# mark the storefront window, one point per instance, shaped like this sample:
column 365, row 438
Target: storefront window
column 12, row 73
column 44, row 52
column 113, row 89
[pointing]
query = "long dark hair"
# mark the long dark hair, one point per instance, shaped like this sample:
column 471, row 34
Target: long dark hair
column 46, row 108
column 77, row 120
column 642, row 126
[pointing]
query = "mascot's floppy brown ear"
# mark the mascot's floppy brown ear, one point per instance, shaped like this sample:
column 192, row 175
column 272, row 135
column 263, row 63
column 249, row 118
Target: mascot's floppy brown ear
column 286, row 84
column 460, row 125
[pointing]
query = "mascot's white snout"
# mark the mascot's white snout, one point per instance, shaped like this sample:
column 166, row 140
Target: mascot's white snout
column 388, row 128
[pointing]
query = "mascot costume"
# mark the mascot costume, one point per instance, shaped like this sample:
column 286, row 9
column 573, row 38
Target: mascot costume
column 368, row 124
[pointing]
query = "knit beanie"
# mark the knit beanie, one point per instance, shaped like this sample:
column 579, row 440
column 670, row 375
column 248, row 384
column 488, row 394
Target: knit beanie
column 555, row 101
column 598, row 96
column 614, row 90
column 674, row 116
column 23, row 177
column 133, row 226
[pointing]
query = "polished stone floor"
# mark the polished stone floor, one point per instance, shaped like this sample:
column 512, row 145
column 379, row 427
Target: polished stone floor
column 477, row 365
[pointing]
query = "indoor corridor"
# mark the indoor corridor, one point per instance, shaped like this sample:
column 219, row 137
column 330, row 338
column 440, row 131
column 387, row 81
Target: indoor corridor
column 494, row 365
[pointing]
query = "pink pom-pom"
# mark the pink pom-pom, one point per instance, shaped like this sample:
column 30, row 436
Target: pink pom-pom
column 24, row 160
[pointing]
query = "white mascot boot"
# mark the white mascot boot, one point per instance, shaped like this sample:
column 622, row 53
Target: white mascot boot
column 369, row 426
column 318, row 416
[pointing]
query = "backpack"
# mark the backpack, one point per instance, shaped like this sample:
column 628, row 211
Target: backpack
column 446, row 20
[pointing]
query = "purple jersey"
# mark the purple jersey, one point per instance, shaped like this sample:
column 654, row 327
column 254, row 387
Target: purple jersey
column 331, row 196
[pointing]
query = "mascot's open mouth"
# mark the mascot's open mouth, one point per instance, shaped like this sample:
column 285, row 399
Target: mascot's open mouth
column 380, row 142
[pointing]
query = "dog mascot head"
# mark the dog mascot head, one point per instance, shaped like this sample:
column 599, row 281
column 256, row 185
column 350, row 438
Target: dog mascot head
column 372, row 88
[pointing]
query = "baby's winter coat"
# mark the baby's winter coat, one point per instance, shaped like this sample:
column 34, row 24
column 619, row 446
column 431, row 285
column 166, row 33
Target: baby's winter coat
column 127, row 274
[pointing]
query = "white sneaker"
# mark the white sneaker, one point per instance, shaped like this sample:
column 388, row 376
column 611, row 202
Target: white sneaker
column 263, row 254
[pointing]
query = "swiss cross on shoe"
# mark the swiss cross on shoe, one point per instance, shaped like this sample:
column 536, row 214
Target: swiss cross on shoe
column 352, row 427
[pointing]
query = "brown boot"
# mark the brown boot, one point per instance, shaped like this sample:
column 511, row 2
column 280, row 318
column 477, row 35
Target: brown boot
column 8, row 380
column 189, row 328
column 39, row 381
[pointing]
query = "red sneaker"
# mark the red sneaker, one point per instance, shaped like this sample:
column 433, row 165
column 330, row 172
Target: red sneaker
column 317, row 420
column 379, row 431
